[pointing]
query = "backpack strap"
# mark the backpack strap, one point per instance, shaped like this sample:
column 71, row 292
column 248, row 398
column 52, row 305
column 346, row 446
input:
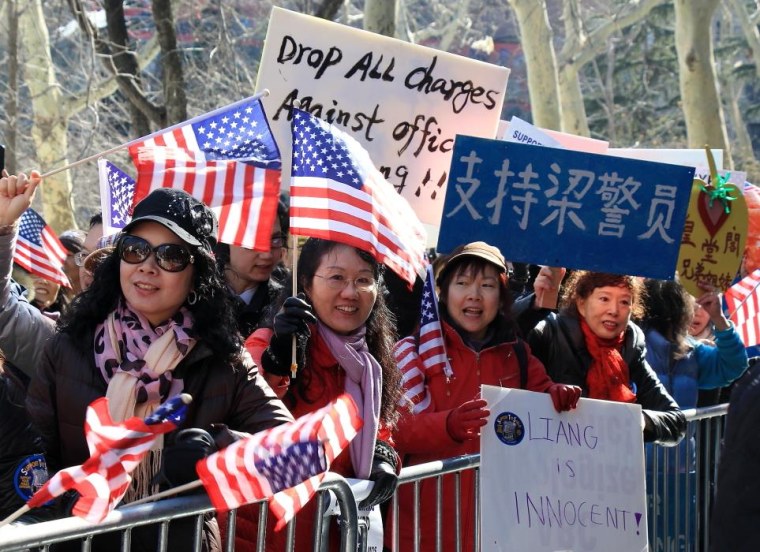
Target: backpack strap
column 522, row 360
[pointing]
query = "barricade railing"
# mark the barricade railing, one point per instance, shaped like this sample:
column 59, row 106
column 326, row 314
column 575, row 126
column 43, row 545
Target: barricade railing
column 123, row 521
column 680, row 486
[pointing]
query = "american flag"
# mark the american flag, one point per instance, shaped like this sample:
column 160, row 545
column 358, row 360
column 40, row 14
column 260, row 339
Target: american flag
column 336, row 193
column 227, row 159
column 743, row 301
column 39, row 250
column 286, row 463
column 238, row 132
column 115, row 451
column 117, row 190
column 418, row 356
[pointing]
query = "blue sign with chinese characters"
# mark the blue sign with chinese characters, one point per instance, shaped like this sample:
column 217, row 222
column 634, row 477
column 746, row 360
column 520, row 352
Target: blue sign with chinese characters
column 566, row 208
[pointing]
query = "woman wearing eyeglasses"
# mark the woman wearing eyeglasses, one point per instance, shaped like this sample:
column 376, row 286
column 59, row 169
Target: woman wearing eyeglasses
column 345, row 335
column 156, row 321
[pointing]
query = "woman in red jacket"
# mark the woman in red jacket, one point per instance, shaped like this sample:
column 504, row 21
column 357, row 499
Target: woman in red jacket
column 444, row 413
column 345, row 335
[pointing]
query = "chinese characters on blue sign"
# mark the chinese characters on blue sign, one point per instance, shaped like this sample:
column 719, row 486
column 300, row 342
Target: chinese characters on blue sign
column 566, row 208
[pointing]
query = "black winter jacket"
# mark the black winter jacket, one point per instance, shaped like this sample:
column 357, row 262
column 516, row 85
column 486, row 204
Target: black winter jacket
column 68, row 381
column 559, row 343
column 22, row 466
column 735, row 521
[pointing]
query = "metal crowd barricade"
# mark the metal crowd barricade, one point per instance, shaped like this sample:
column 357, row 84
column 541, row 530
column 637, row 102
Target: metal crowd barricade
column 678, row 517
column 678, row 502
column 124, row 520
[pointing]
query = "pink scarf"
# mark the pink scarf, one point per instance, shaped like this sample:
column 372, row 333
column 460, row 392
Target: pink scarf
column 126, row 343
column 364, row 382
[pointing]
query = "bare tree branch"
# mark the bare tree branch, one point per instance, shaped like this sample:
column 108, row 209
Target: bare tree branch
column 595, row 42
column 171, row 62
column 126, row 82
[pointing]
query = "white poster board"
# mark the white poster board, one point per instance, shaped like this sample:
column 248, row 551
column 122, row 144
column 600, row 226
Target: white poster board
column 686, row 157
column 561, row 481
column 403, row 102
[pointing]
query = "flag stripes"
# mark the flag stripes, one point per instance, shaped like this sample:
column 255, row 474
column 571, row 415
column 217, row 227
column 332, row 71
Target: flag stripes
column 743, row 301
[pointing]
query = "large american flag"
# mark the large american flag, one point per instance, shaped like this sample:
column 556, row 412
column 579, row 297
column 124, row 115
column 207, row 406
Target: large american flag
column 743, row 302
column 418, row 356
column 39, row 250
column 117, row 190
column 115, row 451
column 228, row 159
column 336, row 193
column 286, row 463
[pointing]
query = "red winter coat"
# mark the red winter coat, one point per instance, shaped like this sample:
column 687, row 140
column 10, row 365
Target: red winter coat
column 327, row 383
column 422, row 437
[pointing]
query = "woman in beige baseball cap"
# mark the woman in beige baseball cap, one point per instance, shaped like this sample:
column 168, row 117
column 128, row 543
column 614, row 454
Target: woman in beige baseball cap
column 445, row 411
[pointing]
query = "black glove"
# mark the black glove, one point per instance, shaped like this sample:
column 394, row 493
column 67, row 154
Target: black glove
column 292, row 319
column 386, row 481
column 178, row 459
column 383, row 473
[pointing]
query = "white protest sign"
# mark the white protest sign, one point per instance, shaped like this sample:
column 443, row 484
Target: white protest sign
column 561, row 481
column 733, row 177
column 686, row 157
column 403, row 102
column 526, row 133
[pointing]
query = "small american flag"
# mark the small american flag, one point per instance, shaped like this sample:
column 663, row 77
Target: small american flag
column 117, row 190
column 238, row 132
column 227, row 159
column 286, row 463
column 115, row 451
column 336, row 193
column 243, row 197
column 418, row 356
column 743, row 301
column 39, row 250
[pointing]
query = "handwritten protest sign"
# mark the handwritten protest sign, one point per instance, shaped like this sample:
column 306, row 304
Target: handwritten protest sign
column 714, row 237
column 403, row 102
column 565, row 208
column 561, row 481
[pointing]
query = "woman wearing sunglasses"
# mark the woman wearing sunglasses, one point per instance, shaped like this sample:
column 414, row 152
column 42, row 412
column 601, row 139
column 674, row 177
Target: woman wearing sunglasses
column 345, row 335
column 156, row 321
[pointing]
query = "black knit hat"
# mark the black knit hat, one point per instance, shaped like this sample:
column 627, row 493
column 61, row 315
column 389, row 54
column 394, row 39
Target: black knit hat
column 181, row 213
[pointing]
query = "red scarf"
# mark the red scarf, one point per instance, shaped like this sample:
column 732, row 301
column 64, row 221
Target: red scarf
column 607, row 377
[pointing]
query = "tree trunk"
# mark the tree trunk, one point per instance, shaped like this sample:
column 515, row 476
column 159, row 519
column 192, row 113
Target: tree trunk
column 572, row 108
column 380, row 16
column 11, row 103
column 49, row 124
column 749, row 28
column 699, row 87
column 171, row 62
column 125, row 61
column 540, row 61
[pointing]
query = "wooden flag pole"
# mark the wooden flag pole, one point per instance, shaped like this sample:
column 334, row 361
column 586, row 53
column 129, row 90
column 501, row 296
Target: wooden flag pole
column 264, row 93
column 15, row 515
column 168, row 492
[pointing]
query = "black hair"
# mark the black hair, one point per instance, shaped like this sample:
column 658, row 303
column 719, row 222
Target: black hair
column 669, row 310
column 503, row 325
column 214, row 321
column 222, row 250
column 95, row 219
column 381, row 335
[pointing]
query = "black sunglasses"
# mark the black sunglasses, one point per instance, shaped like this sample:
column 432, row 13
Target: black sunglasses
column 171, row 257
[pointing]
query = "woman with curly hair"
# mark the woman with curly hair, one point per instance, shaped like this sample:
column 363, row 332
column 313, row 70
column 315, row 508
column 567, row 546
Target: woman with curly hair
column 593, row 343
column 345, row 334
column 156, row 321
